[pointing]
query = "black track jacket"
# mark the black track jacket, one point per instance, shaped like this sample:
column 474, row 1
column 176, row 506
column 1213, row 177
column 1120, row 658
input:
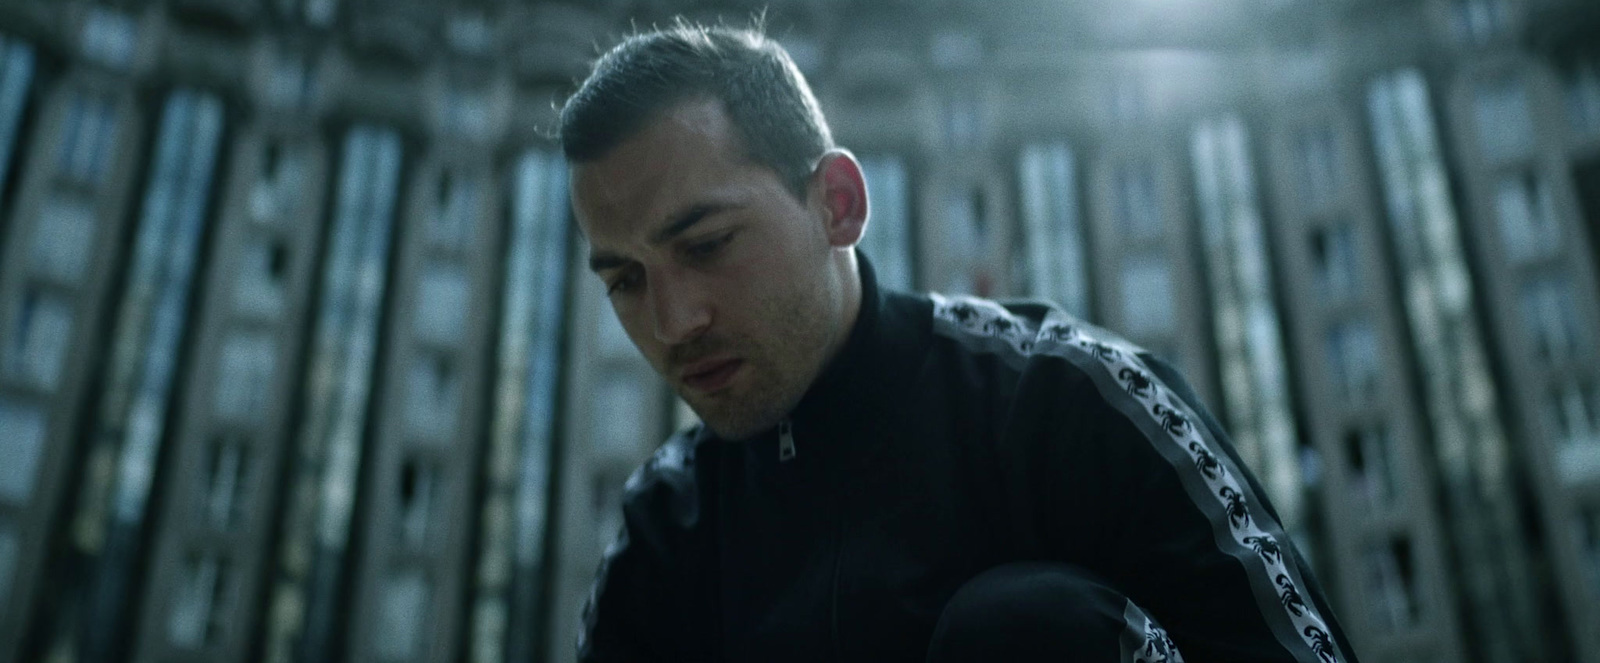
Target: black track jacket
column 950, row 435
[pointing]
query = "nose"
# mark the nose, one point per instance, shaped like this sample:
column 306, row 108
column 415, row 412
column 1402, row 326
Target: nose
column 680, row 309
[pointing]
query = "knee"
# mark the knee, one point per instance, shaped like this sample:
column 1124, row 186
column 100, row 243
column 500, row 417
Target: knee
column 1030, row 611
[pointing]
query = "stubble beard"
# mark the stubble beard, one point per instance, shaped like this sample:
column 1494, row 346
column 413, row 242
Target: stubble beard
column 778, row 372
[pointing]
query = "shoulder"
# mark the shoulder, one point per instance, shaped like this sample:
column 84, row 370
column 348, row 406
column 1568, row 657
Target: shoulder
column 1025, row 330
column 667, row 486
column 1062, row 364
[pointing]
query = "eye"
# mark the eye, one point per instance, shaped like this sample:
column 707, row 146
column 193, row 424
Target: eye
column 709, row 248
column 627, row 280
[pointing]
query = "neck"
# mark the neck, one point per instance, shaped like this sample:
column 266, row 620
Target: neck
column 848, row 275
column 844, row 282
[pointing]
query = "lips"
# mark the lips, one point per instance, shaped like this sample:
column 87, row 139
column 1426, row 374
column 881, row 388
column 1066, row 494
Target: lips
column 712, row 374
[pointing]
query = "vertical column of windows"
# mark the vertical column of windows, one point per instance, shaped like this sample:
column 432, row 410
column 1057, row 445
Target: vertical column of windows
column 151, row 325
column 338, row 393
column 1245, row 317
column 1053, row 232
column 1436, row 291
column 533, row 308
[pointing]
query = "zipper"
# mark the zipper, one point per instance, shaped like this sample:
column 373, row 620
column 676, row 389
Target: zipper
column 785, row 440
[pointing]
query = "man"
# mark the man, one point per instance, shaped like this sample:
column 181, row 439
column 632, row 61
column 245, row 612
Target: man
column 883, row 476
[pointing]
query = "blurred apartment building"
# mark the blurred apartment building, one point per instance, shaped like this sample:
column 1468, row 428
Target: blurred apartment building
column 297, row 364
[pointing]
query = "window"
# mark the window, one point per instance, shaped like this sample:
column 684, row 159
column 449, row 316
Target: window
column 532, row 316
column 109, row 37
column 456, row 211
column 22, row 439
column 1572, row 412
column 227, row 474
column 1054, row 239
column 1333, row 249
column 290, row 81
column 258, row 290
column 1317, row 165
column 1477, row 21
column 1372, row 467
column 277, row 188
column 63, row 238
column 1583, row 97
column 1411, row 167
column 87, row 135
column 1138, row 208
column 1527, row 217
column 1353, row 358
column 1549, row 317
column 470, row 33
column 1505, row 126
column 888, row 235
column 963, row 122
column 433, row 394
column 1310, row 465
column 1391, row 585
column 40, row 337
column 198, row 611
column 10, row 550
column 1588, row 534
column 1572, row 417
column 402, row 608
column 418, row 496
column 320, row 13
column 16, row 75
column 466, row 112
column 955, row 49
column 1147, row 296
column 966, row 224
column 441, row 304
column 247, row 365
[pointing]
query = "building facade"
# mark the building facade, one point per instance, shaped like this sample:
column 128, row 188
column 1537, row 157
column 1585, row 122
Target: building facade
column 299, row 359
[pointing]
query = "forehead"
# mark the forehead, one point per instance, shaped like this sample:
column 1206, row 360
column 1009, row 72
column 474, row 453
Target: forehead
column 689, row 154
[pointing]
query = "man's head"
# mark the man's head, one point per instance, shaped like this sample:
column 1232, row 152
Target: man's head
column 720, row 217
column 777, row 118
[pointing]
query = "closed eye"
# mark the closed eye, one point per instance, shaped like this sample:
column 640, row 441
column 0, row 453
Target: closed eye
column 626, row 280
column 707, row 249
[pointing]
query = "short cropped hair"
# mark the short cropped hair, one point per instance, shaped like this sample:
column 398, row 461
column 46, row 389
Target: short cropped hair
column 767, row 99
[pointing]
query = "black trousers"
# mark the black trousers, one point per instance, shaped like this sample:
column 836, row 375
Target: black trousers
column 1036, row 611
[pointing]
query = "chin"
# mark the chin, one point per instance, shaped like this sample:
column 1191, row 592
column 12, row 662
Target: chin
column 743, row 411
column 736, row 425
column 734, row 429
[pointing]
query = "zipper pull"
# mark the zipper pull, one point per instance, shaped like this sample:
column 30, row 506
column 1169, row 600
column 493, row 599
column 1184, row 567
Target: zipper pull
column 785, row 441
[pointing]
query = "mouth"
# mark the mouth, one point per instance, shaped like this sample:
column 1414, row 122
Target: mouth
column 711, row 375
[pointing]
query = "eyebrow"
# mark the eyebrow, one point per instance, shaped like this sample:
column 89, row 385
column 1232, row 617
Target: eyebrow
column 679, row 224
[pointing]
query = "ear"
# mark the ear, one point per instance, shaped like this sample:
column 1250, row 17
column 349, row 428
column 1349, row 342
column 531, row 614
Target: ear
column 844, row 197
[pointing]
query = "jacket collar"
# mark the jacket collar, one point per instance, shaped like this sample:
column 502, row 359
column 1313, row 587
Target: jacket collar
column 865, row 387
column 877, row 359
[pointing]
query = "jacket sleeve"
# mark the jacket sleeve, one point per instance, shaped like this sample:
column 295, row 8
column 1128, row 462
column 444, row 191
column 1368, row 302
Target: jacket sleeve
column 1130, row 476
column 643, row 604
